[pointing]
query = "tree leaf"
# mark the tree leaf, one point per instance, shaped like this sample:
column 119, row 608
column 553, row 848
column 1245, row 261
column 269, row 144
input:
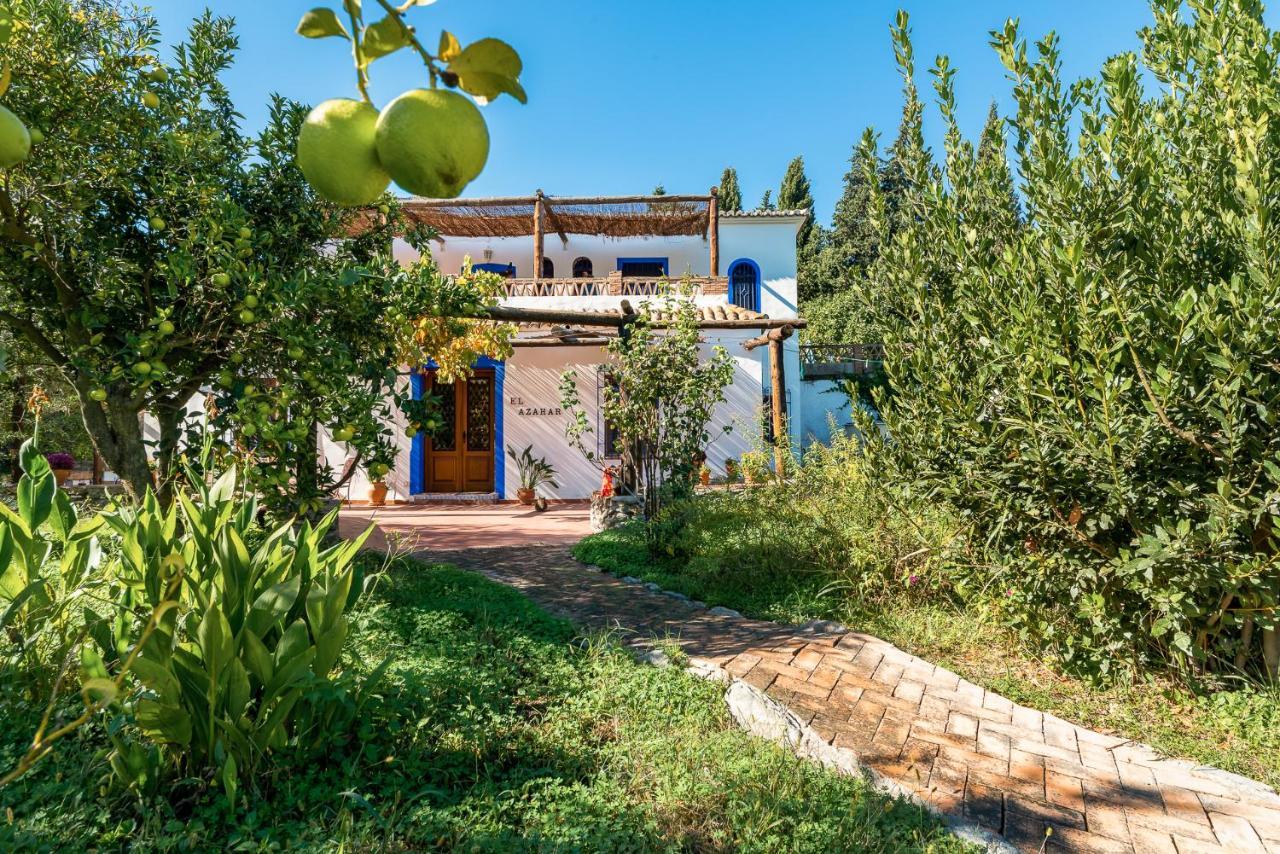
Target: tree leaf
column 449, row 47
column 6, row 27
column 384, row 37
column 6, row 77
column 488, row 68
column 320, row 23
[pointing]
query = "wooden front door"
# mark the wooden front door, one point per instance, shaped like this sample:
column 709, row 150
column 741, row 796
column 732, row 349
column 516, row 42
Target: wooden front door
column 461, row 459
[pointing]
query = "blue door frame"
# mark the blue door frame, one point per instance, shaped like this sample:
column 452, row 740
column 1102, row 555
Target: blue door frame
column 418, row 448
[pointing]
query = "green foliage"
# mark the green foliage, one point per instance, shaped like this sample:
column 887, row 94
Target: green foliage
column 766, row 202
column 207, row 654
column 1095, row 389
column 492, row 730
column 730, row 194
column 659, row 395
column 534, row 471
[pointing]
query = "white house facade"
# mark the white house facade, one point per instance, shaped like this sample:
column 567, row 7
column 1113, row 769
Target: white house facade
column 590, row 257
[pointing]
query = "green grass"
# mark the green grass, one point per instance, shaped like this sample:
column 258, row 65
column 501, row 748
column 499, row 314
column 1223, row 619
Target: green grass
column 1235, row 730
column 497, row 729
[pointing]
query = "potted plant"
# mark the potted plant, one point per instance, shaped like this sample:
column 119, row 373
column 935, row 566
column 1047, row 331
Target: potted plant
column 730, row 470
column 377, row 486
column 755, row 467
column 534, row 472
column 62, row 464
column 704, row 475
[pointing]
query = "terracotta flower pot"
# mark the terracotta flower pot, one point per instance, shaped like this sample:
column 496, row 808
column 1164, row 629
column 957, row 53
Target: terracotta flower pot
column 525, row 495
column 377, row 493
column 704, row 477
column 61, row 475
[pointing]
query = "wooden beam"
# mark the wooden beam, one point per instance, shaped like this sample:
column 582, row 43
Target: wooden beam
column 567, row 317
column 713, row 230
column 781, row 440
column 537, row 236
column 511, row 201
column 779, row 334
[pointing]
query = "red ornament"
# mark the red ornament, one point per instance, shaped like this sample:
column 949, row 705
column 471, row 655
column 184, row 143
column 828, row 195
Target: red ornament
column 606, row 485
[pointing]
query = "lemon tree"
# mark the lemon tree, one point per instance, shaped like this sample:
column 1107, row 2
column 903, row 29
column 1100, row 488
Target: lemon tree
column 432, row 142
column 149, row 249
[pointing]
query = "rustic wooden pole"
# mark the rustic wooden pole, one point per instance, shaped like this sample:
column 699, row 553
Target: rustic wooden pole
column 99, row 466
column 778, row 380
column 713, row 230
column 537, row 235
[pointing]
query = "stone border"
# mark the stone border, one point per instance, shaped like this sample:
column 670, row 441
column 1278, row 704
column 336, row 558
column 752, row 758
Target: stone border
column 764, row 717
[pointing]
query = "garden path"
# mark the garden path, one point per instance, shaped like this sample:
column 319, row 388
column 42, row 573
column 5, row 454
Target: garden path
column 1040, row 782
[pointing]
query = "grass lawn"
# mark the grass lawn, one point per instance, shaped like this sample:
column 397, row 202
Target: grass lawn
column 497, row 728
column 1235, row 730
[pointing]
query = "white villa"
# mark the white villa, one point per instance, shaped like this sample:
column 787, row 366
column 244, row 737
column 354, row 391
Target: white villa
column 579, row 259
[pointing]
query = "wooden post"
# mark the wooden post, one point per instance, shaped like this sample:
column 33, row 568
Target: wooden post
column 537, row 235
column 713, row 230
column 99, row 466
column 778, row 381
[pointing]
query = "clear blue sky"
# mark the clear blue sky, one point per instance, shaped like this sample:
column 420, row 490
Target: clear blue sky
column 626, row 95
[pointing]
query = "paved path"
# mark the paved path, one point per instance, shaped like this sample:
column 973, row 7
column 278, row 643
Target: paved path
column 969, row 752
column 400, row 527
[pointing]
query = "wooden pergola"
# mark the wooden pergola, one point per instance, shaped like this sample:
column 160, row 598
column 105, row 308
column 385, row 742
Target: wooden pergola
column 604, row 216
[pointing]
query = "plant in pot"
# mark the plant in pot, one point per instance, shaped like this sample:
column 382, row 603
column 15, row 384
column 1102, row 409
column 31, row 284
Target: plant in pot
column 755, row 467
column 704, row 475
column 378, row 486
column 62, row 464
column 534, row 472
column 730, row 470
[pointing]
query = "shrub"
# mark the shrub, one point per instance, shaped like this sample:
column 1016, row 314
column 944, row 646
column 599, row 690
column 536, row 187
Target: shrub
column 60, row 461
column 1097, row 388
column 211, row 653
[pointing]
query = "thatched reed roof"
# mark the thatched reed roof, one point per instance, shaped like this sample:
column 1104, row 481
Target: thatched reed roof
column 606, row 216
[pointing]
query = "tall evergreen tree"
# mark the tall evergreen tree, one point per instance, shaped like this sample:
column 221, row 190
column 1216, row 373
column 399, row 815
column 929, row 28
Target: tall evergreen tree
column 766, row 201
column 730, row 193
column 795, row 194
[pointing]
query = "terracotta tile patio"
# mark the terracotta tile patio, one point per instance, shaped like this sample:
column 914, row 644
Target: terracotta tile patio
column 451, row 527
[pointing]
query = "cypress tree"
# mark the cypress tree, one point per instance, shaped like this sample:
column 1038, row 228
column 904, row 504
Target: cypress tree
column 730, row 193
column 766, row 201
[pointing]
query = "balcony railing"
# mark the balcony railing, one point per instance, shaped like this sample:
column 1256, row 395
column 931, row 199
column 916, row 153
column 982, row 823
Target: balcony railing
column 829, row 361
column 615, row 284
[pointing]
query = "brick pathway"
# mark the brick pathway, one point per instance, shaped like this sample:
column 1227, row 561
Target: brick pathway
column 968, row 752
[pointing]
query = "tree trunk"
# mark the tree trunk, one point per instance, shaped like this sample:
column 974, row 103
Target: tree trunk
column 19, row 387
column 115, row 428
column 170, row 418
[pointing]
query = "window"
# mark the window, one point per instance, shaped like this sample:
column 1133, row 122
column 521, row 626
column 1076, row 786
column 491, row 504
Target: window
column 548, row 269
column 582, row 268
column 647, row 268
column 610, row 444
column 744, row 284
column 507, row 271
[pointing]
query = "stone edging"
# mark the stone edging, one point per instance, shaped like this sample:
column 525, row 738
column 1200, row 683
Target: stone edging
column 764, row 717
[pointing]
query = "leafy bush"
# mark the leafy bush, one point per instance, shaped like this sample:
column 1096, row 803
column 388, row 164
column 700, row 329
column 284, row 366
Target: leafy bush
column 208, row 654
column 1097, row 388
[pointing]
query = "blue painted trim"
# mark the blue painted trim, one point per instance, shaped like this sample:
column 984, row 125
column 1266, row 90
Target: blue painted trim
column 418, row 446
column 759, row 280
column 418, row 451
column 503, row 269
column 666, row 267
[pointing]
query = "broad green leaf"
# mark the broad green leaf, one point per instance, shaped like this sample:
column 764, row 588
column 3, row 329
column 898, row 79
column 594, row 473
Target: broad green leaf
column 10, row 612
column 293, row 642
column 100, row 690
column 158, row 678
column 383, row 37
column 163, row 722
column 488, row 68
column 63, row 518
column 328, row 648
column 215, row 638
column 6, row 24
column 449, row 47
column 238, row 690
column 229, row 777
column 321, row 23
column 35, row 498
column 256, row 658
column 272, row 605
column 6, row 77
column 31, row 460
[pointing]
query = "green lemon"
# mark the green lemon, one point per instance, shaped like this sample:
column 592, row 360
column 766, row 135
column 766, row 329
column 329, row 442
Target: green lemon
column 246, row 316
column 159, row 75
column 245, row 233
column 98, row 394
column 37, row 135
column 411, row 431
column 251, row 301
column 337, row 155
column 296, row 353
column 15, row 140
column 150, row 100
column 433, row 142
column 142, row 369
column 156, row 223
column 166, row 327
column 220, row 280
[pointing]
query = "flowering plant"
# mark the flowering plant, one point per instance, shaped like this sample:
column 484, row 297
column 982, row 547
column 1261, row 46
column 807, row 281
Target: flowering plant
column 60, row 461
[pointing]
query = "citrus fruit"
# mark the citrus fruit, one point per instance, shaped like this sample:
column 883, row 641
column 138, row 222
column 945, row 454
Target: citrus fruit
column 166, row 327
column 433, row 142
column 98, row 394
column 15, row 140
column 220, row 280
column 337, row 155
column 150, row 100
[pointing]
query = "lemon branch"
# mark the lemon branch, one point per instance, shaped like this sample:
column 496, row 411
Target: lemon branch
column 357, row 53
column 397, row 14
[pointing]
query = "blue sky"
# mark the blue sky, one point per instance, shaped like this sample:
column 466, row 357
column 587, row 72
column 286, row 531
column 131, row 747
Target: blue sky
column 626, row 95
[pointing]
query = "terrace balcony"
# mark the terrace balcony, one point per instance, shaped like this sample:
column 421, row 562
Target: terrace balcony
column 616, row 285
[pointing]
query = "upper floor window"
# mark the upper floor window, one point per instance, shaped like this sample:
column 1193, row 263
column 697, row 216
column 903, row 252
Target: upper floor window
column 507, row 271
column 744, row 284
column 548, row 268
column 582, row 268
column 647, row 268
